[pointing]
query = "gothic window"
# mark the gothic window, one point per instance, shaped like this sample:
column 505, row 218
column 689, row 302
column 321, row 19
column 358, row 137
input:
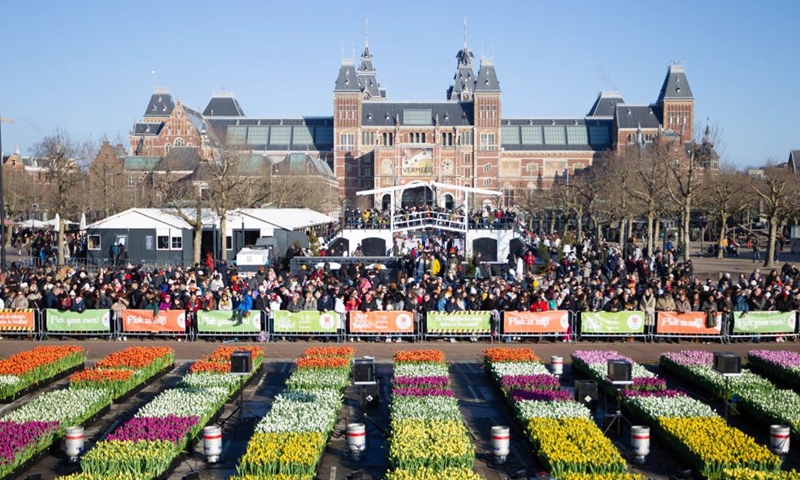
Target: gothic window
column 508, row 196
column 167, row 146
column 179, row 142
column 487, row 141
column 347, row 141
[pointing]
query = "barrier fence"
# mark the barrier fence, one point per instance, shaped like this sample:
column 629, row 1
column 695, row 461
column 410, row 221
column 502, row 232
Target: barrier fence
column 38, row 324
column 553, row 323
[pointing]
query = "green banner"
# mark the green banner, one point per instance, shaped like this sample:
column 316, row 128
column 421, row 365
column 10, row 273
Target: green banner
column 459, row 322
column 87, row 321
column 612, row 322
column 223, row 322
column 764, row 322
column 305, row 322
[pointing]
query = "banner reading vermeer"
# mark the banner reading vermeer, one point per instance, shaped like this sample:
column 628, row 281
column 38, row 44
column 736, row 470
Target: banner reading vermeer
column 417, row 162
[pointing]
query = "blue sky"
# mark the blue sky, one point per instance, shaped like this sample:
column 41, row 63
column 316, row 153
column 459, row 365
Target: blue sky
column 85, row 66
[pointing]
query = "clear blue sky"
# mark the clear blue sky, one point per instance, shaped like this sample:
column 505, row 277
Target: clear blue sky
column 85, row 66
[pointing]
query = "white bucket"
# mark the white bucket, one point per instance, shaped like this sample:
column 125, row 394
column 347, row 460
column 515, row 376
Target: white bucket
column 74, row 442
column 640, row 441
column 501, row 439
column 779, row 436
column 557, row 364
column 212, row 443
column 356, row 438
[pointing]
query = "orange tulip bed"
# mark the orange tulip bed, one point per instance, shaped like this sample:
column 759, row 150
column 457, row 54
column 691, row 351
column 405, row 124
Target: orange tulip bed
column 419, row 356
column 219, row 361
column 30, row 367
column 323, row 362
column 120, row 372
column 315, row 352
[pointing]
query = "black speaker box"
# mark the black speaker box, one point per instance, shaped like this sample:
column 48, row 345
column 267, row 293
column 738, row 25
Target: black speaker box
column 619, row 370
column 586, row 392
column 727, row 362
column 370, row 396
column 364, row 370
column 241, row 362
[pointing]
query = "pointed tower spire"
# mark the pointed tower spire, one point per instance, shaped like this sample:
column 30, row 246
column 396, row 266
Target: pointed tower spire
column 367, row 78
column 464, row 79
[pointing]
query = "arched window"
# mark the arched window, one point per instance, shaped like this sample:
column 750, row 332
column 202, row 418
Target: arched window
column 167, row 147
column 179, row 142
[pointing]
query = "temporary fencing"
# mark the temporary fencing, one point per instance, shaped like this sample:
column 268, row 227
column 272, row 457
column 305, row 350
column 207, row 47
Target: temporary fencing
column 553, row 323
column 393, row 323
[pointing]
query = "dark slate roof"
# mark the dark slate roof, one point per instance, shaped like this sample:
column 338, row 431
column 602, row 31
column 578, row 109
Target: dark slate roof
column 464, row 79
column 605, row 104
column 141, row 164
column 368, row 78
column 635, row 116
column 487, row 78
column 794, row 159
column 147, row 128
column 347, row 81
column 543, row 134
column 179, row 159
column 384, row 114
column 223, row 106
column 675, row 86
column 161, row 105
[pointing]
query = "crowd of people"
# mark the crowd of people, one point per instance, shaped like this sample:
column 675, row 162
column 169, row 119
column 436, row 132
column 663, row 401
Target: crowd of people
column 434, row 275
column 483, row 218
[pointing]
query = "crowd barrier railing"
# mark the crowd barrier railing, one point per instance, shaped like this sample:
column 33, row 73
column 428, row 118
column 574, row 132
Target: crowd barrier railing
column 172, row 323
column 553, row 323
column 692, row 325
column 628, row 324
column 764, row 324
column 20, row 322
column 392, row 323
column 476, row 324
column 219, row 323
column 307, row 323
column 89, row 323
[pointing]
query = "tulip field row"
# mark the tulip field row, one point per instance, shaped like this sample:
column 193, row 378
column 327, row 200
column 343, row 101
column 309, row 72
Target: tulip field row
column 429, row 440
column 757, row 395
column 561, row 430
column 34, row 426
column 147, row 445
column 690, row 427
column 31, row 367
column 290, row 440
column 778, row 365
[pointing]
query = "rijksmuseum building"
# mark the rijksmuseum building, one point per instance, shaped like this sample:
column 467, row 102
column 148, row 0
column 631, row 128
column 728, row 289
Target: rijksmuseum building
column 371, row 141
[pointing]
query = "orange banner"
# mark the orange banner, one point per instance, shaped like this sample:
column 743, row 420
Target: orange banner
column 381, row 322
column 689, row 323
column 554, row 321
column 16, row 320
column 144, row 321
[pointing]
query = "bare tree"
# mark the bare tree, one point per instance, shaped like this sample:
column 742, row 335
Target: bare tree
column 617, row 175
column 650, row 188
column 776, row 189
column 18, row 195
column 727, row 193
column 107, row 182
column 61, row 156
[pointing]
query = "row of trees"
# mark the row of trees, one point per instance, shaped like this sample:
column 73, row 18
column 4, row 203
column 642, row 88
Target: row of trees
column 666, row 180
column 75, row 180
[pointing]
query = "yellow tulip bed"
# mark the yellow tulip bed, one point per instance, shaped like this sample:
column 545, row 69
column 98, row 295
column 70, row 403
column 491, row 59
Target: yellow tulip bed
column 425, row 473
column 428, row 437
column 749, row 474
column 290, row 440
column 689, row 427
column 601, row 476
column 565, row 438
column 573, row 445
column 716, row 446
